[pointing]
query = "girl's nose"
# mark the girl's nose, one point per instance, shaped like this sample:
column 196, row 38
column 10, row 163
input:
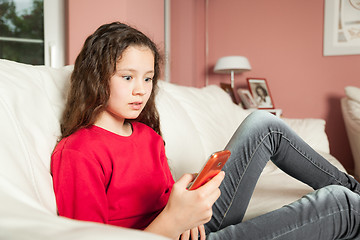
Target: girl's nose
column 139, row 88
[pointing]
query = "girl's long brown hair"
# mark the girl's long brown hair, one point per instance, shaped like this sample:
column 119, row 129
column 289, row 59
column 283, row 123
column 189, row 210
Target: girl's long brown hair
column 96, row 63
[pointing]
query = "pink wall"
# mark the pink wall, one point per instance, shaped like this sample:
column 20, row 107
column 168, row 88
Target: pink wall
column 188, row 60
column 284, row 44
column 85, row 16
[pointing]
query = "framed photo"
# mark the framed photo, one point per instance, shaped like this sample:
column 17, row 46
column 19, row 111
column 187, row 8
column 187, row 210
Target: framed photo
column 227, row 88
column 341, row 27
column 246, row 98
column 261, row 93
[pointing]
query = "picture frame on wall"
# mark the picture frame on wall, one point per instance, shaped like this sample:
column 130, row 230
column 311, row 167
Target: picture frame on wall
column 227, row 88
column 341, row 27
column 261, row 93
column 246, row 98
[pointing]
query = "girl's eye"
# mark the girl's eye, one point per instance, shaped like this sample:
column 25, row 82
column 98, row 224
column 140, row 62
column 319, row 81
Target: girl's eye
column 127, row 77
column 148, row 79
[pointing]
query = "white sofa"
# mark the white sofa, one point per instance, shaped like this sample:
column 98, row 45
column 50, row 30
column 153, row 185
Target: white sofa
column 350, row 106
column 195, row 123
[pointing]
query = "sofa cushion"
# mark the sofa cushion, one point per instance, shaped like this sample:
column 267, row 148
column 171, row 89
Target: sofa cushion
column 195, row 123
column 182, row 143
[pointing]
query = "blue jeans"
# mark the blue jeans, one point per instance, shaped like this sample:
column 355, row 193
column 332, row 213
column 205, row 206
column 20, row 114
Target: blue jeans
column 330, row 212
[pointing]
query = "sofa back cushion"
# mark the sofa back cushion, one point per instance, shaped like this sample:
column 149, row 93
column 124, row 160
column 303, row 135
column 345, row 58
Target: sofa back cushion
column 195, row 123
column 31, row 102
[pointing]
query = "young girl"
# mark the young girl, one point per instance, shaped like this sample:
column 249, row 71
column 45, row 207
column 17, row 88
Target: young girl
column 110, row 164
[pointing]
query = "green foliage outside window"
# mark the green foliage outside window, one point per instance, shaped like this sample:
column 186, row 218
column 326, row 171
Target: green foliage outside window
column 22, row 32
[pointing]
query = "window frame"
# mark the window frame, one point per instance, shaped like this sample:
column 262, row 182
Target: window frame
column 54, row 33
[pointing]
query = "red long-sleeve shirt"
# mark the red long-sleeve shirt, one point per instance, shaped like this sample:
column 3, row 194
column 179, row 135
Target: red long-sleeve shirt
column 103, row 177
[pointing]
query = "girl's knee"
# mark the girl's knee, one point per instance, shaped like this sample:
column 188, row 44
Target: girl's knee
column 262, row 118
column 331, row 198
column 340, row 193
column 260, row 114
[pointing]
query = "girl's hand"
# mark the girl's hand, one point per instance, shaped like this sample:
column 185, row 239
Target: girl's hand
column 193, row 208
column 190, row 209
column 193, row 234
column 187, row 209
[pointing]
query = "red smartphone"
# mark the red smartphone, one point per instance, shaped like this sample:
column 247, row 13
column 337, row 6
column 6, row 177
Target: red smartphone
column 210, row 169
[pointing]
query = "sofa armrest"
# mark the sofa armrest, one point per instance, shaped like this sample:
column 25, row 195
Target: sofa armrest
column 351, row 115
column 351, row 110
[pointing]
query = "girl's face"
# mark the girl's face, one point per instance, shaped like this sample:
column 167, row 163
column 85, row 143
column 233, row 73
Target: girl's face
column 131, row 84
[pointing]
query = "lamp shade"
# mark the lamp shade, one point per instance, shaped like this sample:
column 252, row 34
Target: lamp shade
column 234, row 64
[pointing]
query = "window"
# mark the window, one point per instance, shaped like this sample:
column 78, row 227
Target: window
column 32, row 31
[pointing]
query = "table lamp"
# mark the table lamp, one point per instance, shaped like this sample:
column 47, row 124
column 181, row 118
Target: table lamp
column 232, row 64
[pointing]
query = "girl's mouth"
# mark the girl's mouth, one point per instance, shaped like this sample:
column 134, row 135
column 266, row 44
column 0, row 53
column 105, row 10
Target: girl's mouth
column 135, row 105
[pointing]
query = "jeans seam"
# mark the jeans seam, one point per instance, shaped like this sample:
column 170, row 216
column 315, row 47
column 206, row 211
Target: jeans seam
column 309, row 159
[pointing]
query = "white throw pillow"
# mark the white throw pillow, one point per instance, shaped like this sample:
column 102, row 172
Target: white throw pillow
column 312, row 131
